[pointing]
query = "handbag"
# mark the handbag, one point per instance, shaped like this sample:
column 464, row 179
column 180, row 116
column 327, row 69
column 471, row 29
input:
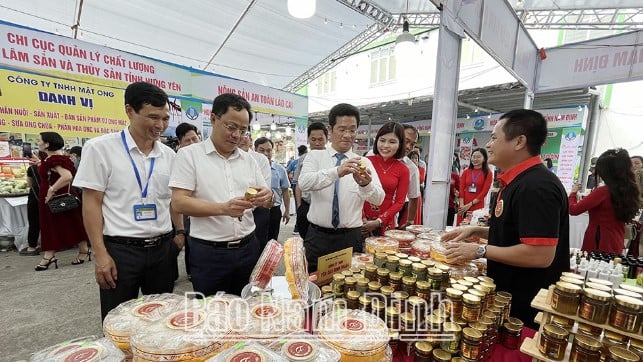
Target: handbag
column 63, row 202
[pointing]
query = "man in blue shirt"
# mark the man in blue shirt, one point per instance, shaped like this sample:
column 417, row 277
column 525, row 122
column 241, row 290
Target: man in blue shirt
column 280, row 188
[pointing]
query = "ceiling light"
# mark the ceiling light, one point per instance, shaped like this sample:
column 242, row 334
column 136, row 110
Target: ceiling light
column 288, row 131
column 405, row 41
column 256, row 126
column 268, row 134
column 273, row 126
column 302, row 9
column 476, row 110
column 278, row 135
column 489, row 116
column 580, row 108
column 468, row 116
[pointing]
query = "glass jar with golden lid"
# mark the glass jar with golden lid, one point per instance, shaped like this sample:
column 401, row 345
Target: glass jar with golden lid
column 423, row 351
column 466, row 283
column 572, row 281
column 408, row 323
column 589, row 329
column 374, row 286
column 440, row 355
column 597, row 286
column 626, row 314
column 479, row 294
column 414, row 259
column 418, row 270
column 370, row 271
column 470, row 307
column 595, row 305
column 566, row 297
column 572, row 275
column 585, row 349
column 627, row 293
column 553, row 342
column 471, row 343
column 395, row 280
column 472, row 280
column 600, row 281
column 453, row 334
column 404, row 266
column 619, row 354
column 435, row 278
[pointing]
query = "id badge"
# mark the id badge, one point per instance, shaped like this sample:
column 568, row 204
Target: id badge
column 473, row 188
column 144, row 212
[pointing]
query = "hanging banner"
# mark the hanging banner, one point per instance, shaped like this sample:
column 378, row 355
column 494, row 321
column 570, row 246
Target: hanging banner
column 33, row 104
column 608, row 60
column 570, row 140
column 466, row 146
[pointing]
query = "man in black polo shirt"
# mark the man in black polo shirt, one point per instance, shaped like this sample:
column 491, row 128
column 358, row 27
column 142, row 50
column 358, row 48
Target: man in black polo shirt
column 528, row 231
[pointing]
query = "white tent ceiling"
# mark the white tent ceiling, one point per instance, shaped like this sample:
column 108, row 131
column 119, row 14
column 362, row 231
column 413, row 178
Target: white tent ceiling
column 264, row 45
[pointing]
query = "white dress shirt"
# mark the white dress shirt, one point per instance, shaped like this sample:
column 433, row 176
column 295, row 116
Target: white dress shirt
column 318, row 175
column 414, row 182
column 106, row 167
column 212, row 177
column 264, row 165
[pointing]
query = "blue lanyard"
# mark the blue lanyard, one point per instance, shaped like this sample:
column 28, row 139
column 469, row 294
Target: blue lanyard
column 473, row 173
column 138, row 176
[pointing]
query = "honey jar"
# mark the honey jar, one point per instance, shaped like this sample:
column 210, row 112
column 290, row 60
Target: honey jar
column 392, row 263
column 395, row 280
column 423, row 290
column 418, row 270
column 408, row 284
column 423, row 352
column 440, row 355
column 595, row 306
column 553, row 342
column 350, row 284
column 510, row 335
column 405, row 267
column 619, row 354
column 566, row 298
column 435, row 278
column 382, row 276
column 454, row 333
column 471, row 344
column 434, row 329
column 585, row 349
column 626, row 314
column 374, row 286
column 470, row 307
column 454, row 302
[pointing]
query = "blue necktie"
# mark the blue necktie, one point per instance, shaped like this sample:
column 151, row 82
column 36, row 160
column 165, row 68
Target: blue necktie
column 335, row 219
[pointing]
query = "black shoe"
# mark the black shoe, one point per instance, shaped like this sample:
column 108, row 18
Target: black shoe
column 41, row 267
column 27, row 252
column 79, row 261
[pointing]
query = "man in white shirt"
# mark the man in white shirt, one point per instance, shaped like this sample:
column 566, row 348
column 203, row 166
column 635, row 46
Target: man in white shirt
column 209, row 182
column 261, row 214
column 280, row 186
column 126, row 201
column 407, row 215
column 317, row 139
column 339, row 186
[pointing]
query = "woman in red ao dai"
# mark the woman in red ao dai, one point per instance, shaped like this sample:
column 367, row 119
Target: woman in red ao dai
column 394, row 176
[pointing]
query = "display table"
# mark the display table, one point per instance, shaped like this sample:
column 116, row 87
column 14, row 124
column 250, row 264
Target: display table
column 13, row 215
column 577, row 226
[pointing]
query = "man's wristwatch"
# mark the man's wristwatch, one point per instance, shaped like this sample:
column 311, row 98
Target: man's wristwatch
column 180, row 232
column 482, row 251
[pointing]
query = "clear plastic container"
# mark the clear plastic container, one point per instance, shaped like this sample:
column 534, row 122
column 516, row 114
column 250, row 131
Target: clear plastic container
column 421, row 248
column 246, row 351
column 375, row 244
column 419, row 229
column 296, row 268
column 304, row 347
column 404, row 238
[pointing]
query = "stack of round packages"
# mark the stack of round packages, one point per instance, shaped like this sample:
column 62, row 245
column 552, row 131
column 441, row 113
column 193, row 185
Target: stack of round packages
column 271, row 318
column 121, row 321
column 304, row 347
column 296, row 268
column 267, row 264
column 432, row 235
column 403, row 237
column 375, row 244
column 246, row 352
column 419, row 229
column 85, row 349
column 190, row 332
column 358, row 336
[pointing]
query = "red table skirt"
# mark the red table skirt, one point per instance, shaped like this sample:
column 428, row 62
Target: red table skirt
column 498, row 354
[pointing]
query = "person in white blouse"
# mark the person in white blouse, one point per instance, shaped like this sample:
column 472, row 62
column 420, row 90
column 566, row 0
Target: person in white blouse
column 209, row 181
column 339, row 181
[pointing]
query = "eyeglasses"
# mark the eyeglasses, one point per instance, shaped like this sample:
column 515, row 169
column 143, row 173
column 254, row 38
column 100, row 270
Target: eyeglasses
column 232, row 128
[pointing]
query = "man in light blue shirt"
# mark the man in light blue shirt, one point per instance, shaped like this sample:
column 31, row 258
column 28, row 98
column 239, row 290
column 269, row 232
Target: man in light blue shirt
column 280, row 187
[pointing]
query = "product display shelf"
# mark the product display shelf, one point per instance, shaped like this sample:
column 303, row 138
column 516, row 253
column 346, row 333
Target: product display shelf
column 540, row 302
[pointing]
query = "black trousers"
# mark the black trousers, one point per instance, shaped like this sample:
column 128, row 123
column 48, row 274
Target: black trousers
column 319, row 243
column 274, row 224
column 262, row 225
column 220, row 269
column 302, row 218
column 34, row 221
column 147, row 269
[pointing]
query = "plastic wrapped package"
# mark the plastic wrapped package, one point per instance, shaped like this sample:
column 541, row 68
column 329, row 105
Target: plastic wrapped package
column 247, row 351
column 361, row 259
column 421, row 248
column 481, row 264
column 375, row 244
column 271, row 318
column 403, row 237
column 463, row 270
column 438, row 250
column 433, row 235
column 189, row 333
column 296, row 268
column 267, row 264
column 120, row 322
column 419, row 229
column 357, row 335
column 84, row 349
column 304, row 347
